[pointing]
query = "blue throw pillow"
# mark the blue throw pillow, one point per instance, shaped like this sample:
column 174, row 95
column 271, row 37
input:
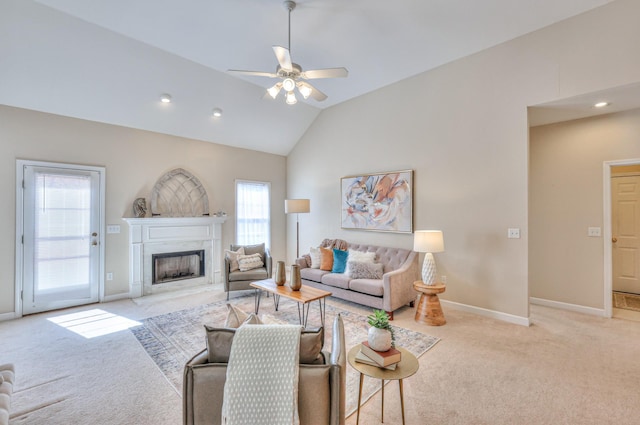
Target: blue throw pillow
column 339, row 261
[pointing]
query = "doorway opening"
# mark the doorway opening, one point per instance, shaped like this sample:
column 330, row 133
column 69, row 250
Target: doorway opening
column 621, row 185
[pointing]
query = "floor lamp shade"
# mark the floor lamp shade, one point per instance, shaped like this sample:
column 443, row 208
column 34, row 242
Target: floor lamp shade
column 297, row 206
column 428, row 241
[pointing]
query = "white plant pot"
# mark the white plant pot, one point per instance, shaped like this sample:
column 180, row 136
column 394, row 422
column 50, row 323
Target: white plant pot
column 379, row 339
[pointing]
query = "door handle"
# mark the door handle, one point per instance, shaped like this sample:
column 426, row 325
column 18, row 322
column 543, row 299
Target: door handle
column 94, row 243
column 614, row 240
column 94, row 234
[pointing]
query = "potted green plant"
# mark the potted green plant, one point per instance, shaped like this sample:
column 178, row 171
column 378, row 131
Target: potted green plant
column 381, row 336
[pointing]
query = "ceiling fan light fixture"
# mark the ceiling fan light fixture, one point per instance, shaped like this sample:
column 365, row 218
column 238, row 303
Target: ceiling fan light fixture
column 291, row 98
column 305, row 91
column 165, row 98
column 274, row 90
column 217, row 112
column 288, row 84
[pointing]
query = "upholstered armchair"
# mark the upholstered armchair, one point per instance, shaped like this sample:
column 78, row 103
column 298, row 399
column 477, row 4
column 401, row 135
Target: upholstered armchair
column 321, row 382
column 238, row 280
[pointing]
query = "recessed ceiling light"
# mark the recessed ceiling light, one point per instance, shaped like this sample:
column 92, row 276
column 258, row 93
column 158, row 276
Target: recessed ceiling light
column 217, row 112
column 165, row 98
column 601, row 104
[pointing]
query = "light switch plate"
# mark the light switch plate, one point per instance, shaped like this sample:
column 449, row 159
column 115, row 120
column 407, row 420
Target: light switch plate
column 113, row 228
column 594, row 232
column 513, row 233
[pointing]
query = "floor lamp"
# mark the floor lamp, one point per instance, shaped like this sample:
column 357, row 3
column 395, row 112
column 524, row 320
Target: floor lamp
column 297, row 206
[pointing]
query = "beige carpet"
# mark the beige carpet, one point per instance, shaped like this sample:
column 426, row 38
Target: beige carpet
column 626, row 301
column 567, row 368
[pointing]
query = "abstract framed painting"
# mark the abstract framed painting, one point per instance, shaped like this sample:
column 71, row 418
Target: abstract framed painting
column 380, row 202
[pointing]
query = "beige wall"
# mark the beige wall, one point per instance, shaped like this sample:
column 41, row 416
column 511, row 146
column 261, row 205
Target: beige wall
column 463, row 129
column 566, row 197
column 134, row 160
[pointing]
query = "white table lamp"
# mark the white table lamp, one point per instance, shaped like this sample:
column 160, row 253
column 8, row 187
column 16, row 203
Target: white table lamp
column 297, row 206
column 428, row 241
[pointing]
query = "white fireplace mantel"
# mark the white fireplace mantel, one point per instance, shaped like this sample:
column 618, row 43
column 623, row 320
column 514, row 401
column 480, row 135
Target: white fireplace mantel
column 154, row 235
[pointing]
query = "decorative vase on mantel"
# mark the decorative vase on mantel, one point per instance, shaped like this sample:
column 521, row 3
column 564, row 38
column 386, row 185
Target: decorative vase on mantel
column 379, row 339
column 295, row 282
column 281, row 273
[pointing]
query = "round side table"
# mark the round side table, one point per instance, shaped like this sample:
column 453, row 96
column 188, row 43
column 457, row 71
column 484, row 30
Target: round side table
column 429, row 310
column 407, row 367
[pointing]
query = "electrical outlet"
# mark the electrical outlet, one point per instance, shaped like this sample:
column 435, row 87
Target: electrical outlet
column 593, row 232
column 109, row 276
column 113, row 228
column 513, row 233
column 443, row 278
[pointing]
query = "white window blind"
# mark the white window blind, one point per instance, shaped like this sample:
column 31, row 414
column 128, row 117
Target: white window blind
column 253, row 214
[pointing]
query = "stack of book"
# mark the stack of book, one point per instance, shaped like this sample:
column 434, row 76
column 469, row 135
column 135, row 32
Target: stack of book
column 384, row 359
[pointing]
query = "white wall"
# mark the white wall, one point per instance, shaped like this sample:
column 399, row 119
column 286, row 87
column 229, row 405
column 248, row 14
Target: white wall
column 463, row 129
column 134, row 160
column 566, row 197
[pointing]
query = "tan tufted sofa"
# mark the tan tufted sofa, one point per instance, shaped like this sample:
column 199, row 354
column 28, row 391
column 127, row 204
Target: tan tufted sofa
column 393, row 291
column 7, row 377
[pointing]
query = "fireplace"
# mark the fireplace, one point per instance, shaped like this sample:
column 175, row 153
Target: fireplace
column 172, row 266
column 153, row 240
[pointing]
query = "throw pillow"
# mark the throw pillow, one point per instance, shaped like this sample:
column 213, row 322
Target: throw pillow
column 367, row 257
column 314, row 253
column 232, row 256
column 364, row 270
column 235, row 316
column 339, row 261
column 326, row 259
column 250, row 262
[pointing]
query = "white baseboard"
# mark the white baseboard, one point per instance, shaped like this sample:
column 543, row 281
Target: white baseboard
column 566, row 306
column 115, row 297
column 505, row 317
column 8, row 316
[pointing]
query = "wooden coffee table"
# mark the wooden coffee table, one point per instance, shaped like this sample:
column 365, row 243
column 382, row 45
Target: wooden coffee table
column 304, row 297
column 407, row 367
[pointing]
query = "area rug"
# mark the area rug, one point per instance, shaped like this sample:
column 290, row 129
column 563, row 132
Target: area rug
column 172, row 339
column 626, row 301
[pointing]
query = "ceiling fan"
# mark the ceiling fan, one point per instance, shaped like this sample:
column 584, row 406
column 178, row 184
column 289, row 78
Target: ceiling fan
column 291, row 74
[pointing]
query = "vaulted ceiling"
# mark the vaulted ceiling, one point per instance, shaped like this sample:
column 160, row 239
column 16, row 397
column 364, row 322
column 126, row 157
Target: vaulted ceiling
column 109, row 61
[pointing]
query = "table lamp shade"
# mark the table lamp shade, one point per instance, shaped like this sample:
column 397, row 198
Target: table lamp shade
column 428, row 241
column 296, row 206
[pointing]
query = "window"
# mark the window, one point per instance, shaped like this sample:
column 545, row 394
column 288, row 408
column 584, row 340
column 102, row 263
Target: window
column 253, row 215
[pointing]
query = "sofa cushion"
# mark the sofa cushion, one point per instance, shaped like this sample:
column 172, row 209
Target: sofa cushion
column 312, row 274
column 367, row 286
column 326, row 259
column 338, row 280
column 391, row 258
column 339, row 261
column 232, row 256
column 365, row 270
column 254, row 274
column 219, row 342
column 250, row 262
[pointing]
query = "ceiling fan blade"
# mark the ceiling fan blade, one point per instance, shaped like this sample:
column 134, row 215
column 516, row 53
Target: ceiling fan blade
column 325, row 73
column 315, row 93
column 253, row 73
column 284, row 58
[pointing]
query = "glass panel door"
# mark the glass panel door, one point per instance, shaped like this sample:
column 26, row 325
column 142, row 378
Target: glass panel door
column 61, row 237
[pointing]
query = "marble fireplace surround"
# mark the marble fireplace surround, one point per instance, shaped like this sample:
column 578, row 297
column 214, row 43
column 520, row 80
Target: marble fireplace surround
column 157, row 235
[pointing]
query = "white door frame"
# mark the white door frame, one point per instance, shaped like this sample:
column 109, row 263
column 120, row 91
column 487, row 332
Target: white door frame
column 20, row 163
column 607, row 234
